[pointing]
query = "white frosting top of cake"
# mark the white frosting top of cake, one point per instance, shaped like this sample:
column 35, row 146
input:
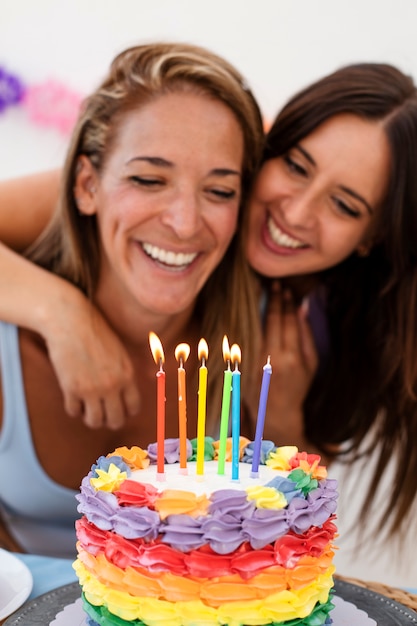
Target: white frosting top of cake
column 209, row 482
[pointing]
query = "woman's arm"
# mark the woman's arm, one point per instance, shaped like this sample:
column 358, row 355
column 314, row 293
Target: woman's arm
column 92, row 366
column 26, row 206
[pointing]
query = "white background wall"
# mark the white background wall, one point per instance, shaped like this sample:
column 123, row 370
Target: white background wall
column 279, row 45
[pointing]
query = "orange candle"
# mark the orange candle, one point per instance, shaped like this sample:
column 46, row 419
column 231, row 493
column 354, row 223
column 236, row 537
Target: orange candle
column 158, row 355
column 182, row 352
column 202, row 404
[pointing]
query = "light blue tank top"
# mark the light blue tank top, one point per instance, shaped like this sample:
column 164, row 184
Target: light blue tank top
column 39, row 512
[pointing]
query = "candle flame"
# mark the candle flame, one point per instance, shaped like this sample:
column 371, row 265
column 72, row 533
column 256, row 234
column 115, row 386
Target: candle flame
column 156, row 348
column 202, row 350
column 226, row 349
column 235, row 354
column 182, row 352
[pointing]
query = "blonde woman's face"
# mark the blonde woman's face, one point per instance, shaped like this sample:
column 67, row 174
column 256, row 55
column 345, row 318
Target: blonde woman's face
column 167, row 201
column 315, row 205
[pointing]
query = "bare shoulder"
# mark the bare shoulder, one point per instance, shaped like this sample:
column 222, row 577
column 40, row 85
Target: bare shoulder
column 1, row 401
column 65, row 447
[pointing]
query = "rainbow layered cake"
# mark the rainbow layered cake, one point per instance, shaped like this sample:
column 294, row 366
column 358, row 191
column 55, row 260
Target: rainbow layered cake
column 206, row 550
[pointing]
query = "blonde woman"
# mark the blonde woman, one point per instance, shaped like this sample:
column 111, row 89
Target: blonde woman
column 151, row 198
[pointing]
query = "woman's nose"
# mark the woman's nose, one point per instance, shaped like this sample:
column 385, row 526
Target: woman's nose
column 183, row 215
column 300, row 209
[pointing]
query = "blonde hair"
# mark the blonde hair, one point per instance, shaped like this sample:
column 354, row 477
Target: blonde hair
column 70, row 247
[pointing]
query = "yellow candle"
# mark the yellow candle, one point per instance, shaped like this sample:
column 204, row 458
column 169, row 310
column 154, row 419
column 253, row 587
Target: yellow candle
column 182, row 352
column 202, row 404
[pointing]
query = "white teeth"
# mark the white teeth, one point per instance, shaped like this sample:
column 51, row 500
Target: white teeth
column 168, row 257
column 280, row 238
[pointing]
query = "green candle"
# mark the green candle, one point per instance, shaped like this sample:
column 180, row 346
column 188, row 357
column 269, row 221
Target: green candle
column 224, row 419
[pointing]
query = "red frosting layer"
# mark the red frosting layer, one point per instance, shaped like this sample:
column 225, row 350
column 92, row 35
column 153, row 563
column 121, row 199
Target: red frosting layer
column 203, row 562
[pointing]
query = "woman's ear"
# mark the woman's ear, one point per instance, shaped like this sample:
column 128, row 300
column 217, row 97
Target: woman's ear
column 85, row 187
column 369, row 240
column 363, row 250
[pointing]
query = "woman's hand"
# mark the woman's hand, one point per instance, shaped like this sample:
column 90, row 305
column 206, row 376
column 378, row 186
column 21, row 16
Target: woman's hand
column 289, row 342
column 93, row 368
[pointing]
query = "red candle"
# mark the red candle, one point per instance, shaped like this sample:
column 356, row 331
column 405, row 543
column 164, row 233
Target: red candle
column 158, row 355
column 182, row 352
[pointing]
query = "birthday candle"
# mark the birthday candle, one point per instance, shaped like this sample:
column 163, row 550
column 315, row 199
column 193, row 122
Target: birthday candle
column 260, row 421
column 235, row 356
column 202, row 404
column 182, row 352
column 158, row 355
column 224, row 419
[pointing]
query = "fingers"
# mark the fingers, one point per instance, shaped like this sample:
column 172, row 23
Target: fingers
column 282, row 333
column 94, row 413
column 110, row 411
column 290, row 325
column 273, row 319
column 287, row 330
column 119, row 407
column 308, row 345
column 114, row 412
column 131, row 398
column 73, row 406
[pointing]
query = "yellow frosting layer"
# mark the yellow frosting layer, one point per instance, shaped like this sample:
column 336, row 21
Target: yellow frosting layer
column 276, row 606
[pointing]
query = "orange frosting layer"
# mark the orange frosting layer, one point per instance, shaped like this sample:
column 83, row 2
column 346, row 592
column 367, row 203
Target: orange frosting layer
column 212, row 591
column 176, row 502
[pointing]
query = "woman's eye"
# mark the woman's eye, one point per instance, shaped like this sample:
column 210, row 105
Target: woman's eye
column 293, row 166
column 145, row 181
column 346, row 209
column 223, row 194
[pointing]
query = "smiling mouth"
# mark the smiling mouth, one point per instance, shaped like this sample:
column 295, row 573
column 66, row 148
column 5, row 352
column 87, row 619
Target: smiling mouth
column 169, row 259
column 281, row 238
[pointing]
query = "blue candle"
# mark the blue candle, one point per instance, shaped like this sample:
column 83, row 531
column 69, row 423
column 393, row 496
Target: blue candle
column 260, row 422
column 235, row 357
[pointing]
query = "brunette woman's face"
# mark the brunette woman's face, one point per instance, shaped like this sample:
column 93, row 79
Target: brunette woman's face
column 167, row 200
column 315, row 205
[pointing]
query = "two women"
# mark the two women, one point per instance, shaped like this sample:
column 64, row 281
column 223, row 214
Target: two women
column 332, row 217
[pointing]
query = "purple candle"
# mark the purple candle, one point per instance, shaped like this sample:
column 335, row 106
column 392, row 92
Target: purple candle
column 263, row 399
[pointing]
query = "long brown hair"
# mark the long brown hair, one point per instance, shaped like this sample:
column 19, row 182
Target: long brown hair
column 367, row 386
column 70, row 247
